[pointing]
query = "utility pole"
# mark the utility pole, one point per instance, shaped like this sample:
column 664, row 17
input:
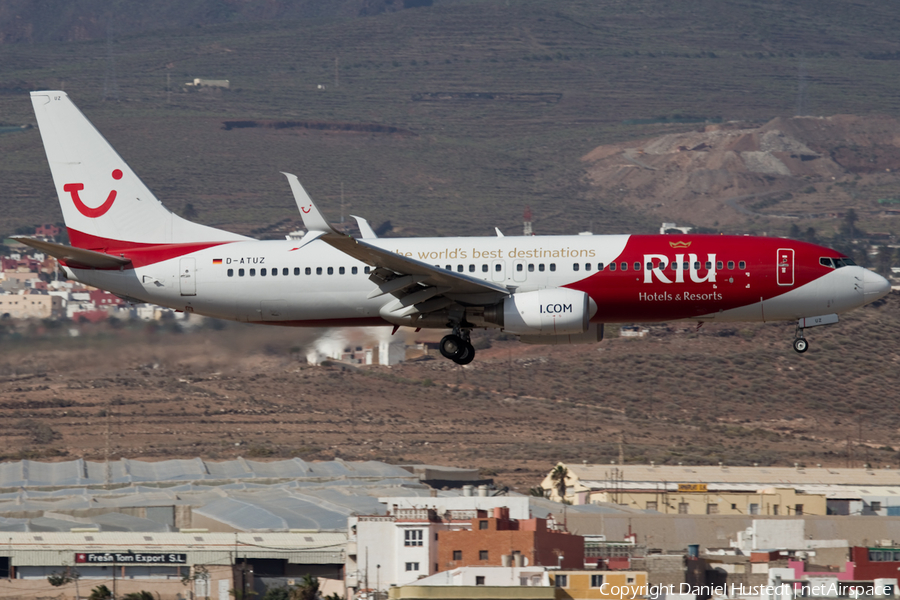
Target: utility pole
column 337, row 80
column 108, row 468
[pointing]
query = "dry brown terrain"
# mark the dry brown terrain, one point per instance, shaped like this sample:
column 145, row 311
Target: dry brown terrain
column 719, row 175
column 733, row 394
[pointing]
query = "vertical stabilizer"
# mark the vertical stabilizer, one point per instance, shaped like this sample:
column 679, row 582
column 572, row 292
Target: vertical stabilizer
column 104, row 204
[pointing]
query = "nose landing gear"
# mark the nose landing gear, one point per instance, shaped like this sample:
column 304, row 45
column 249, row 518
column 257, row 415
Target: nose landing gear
column 800, row 343
column 457, row 347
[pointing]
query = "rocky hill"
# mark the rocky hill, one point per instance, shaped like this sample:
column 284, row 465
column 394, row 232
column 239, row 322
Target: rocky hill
column 800, row 167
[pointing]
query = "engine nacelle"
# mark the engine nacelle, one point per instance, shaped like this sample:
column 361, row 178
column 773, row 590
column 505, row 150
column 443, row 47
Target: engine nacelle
column 554, row 311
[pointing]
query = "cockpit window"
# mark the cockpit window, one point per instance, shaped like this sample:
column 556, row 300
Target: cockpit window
column 836, row 263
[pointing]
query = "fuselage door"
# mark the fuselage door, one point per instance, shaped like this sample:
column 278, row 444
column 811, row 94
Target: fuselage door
column 519, row 273
column 188, row 276
column 785, row 266
column 498, row 270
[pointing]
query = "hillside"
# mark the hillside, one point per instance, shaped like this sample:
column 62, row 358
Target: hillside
column 501, row 100
column 735, row 394
column 810, row 168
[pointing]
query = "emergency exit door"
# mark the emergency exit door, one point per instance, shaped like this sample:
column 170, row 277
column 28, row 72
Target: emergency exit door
column 785, row 266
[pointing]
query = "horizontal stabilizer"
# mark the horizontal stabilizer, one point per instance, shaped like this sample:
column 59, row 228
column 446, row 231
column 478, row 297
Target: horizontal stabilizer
column 76, row 257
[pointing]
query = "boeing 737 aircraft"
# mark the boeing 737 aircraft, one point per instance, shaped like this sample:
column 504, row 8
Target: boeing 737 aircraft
column 544, row 289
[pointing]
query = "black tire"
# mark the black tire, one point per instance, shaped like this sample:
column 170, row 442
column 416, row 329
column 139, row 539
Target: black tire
column 452, row 346
column 466, row 356
column 801, row 345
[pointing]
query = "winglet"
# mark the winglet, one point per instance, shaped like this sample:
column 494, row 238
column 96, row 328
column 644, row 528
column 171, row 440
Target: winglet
column 365, row 229
column 309, row 212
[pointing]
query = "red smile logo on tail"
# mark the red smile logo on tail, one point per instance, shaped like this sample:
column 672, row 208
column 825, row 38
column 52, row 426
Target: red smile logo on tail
column 92, row 213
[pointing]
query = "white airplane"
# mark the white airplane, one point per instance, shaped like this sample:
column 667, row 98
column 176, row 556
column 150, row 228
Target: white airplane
column 544, row 289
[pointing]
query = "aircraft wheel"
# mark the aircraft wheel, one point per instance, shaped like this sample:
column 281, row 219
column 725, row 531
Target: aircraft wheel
column 801, row 345
column 452, row 346
column 466, row 356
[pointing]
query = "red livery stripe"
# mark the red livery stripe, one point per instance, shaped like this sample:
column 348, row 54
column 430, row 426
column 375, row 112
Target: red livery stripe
column 140, row 254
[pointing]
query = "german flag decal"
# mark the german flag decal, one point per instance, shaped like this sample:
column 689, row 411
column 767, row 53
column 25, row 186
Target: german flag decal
column 217, row 261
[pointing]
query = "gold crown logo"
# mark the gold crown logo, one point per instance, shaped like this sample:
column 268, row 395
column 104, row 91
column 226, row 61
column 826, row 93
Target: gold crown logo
column 680, row 244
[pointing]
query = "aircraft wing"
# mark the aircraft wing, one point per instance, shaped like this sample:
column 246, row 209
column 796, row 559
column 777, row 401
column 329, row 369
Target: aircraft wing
column 392, row 269
column 76, row 257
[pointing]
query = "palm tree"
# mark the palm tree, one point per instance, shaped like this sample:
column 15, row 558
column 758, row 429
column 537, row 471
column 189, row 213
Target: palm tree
column 558, row 476
column 308, row 589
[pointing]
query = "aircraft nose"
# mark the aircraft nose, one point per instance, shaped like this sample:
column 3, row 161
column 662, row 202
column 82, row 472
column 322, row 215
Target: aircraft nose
column 875, row 286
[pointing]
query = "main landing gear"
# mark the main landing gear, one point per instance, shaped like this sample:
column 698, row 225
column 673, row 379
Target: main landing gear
column 457, row 347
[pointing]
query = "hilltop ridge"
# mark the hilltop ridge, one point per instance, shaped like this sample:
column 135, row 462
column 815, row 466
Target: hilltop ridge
column 718, row 175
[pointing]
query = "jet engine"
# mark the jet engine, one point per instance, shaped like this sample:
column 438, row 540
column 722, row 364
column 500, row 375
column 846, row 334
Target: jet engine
column 549, row 312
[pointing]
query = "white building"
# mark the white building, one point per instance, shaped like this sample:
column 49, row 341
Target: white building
column 400, row 548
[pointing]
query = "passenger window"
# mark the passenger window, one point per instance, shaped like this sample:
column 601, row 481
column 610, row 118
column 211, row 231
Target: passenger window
column 637, row 266
column 719, row 265
column 552, row 266
column 471, row 268
column 520, row 267
column 649, row 266
column 742, row 265
column 308, row 271
column 341, row 271
column 730, row 264
column 285, row 271
column 708, row 265
column 531, row 268
column 696, row 265
column 354, row 270
column 599, row 266
column 575, row 267
column 459, row 268
column 541, row 267
column 623, row 266
column 318, row 270
column 612, row 266
column 497, row 267
column 331, row 270
column 484, row 268
column 448, row 267
column 685, row 266
column 252, row 272
column 274, row 272
column 240, row 272
column 262, row 272
column 367, row 270
column 674, row 266
column 825, row 262
column 231, row 272
column 587, row 266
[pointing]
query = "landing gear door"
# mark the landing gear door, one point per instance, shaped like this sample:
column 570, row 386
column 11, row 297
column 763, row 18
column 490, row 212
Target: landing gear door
column 785, row 266
column 188, row 276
